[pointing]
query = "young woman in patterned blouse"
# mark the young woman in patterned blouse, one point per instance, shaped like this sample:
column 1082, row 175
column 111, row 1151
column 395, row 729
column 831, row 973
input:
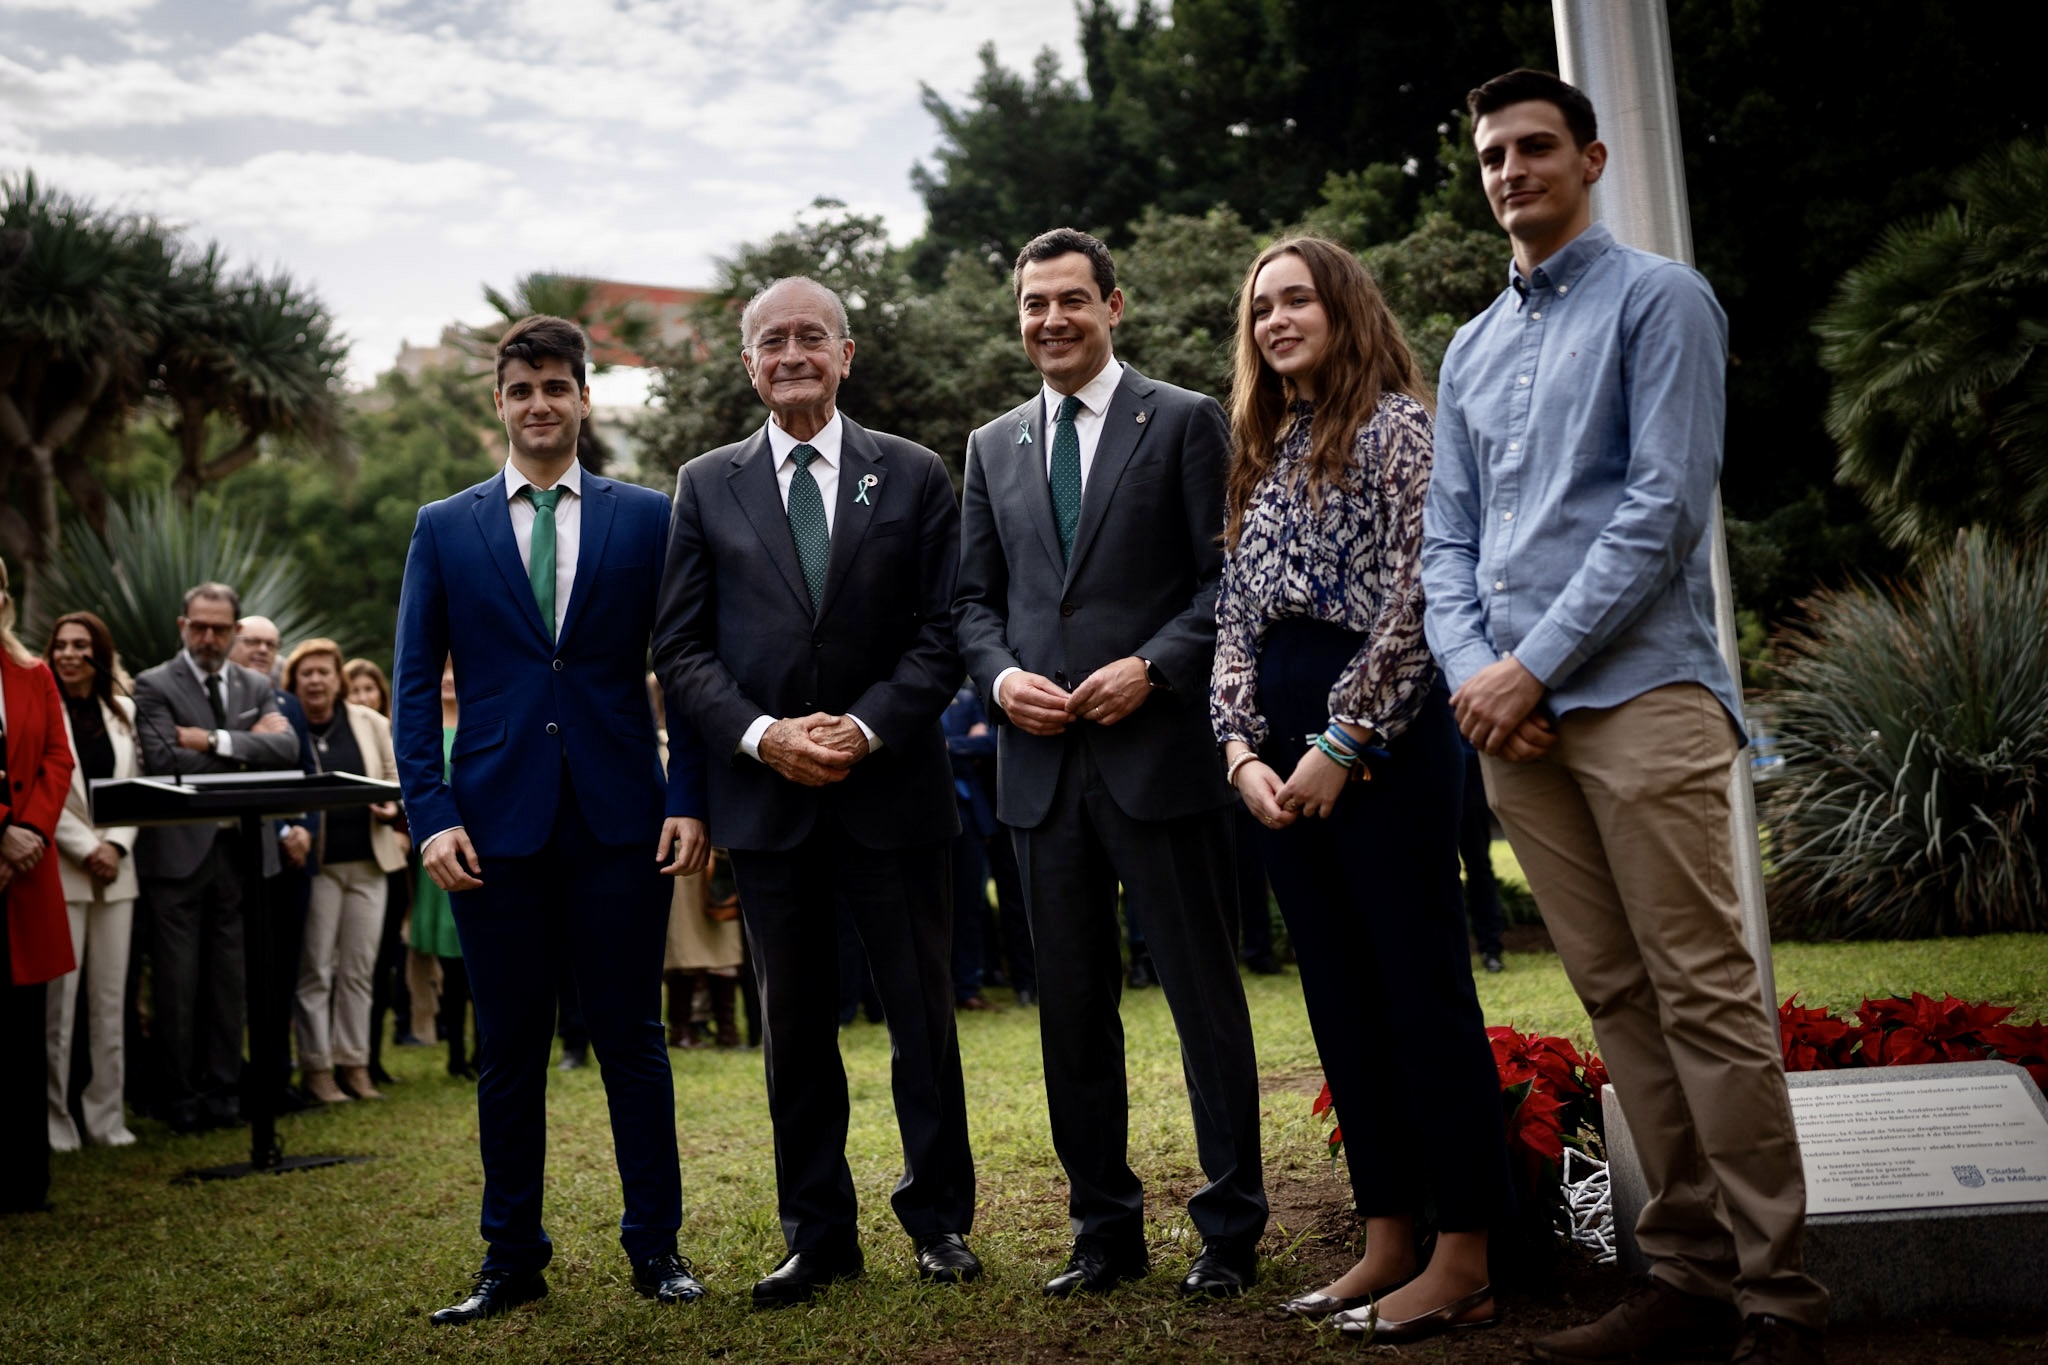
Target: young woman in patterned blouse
column 1337, row 731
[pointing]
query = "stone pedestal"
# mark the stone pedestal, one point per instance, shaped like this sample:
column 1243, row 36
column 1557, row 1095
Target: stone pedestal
column 1908, row 1228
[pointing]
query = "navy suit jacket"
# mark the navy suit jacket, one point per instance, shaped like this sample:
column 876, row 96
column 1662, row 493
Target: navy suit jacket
column 534, row 711
column 738, row 638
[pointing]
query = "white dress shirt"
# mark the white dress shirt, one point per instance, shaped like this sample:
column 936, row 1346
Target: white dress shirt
column 568, row 530
column 223, row 741
column 1094, row 396
column 825, row 469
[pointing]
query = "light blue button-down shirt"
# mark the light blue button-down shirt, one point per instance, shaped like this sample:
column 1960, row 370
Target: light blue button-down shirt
column 1578, row 442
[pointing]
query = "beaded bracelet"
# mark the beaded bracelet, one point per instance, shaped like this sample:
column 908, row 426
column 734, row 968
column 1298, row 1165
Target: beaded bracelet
column 1230, row 773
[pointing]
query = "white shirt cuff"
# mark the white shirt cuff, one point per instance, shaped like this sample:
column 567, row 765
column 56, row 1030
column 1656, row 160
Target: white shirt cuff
column 224, row 743
column 750, row 742
column 997, row 686
column 874, row 740
column 428, row 842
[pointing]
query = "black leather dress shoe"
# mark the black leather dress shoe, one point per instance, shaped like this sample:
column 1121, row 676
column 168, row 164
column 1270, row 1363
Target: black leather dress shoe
column 1096, row 1266
column 945, row 1259
column 802, row 1274
column 496, row 1291
column 573, row 1058
column 667, row 1278
column 1222, row 1270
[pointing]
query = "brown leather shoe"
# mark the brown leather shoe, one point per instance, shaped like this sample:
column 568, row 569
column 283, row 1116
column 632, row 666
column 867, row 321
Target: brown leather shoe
column 320, row 1085
column 1768, row 1340
column 1655, row 1323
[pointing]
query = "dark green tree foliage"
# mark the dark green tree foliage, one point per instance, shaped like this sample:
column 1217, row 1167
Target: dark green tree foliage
column 104, row 313
column 1180, row 277
column 408, row 442
column 1936, row 346
column 1245, row 104
column 1914, row 724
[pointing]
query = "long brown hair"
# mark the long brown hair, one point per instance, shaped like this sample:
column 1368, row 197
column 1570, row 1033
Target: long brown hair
column 1367, row 357
column 108, row 677
column 367, row 668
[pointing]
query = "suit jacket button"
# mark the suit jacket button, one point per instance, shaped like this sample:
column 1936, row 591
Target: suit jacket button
column 554, row 729
column 558, row 665
column 1066, row 608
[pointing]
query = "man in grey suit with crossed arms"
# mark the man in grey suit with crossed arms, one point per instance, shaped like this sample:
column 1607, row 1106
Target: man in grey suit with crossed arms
column 1089, row 560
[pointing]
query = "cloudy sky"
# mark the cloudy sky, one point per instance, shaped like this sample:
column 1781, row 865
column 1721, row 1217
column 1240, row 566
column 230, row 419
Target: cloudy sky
column 400, row 155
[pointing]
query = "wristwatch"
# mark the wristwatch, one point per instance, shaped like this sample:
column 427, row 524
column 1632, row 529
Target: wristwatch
column 1154, row 675
column 213, row 741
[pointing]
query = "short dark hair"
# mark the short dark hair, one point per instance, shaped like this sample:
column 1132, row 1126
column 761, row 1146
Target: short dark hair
column 1063, row 242
column 219, row 592
column 1524, row 84
column 541, row 337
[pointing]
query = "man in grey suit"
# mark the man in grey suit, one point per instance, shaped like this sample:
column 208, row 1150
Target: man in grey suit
column 200, row 713
column 1089, row 561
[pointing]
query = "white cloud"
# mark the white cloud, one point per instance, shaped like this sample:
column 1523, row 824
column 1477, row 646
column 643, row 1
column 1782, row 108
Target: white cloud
column 86, row 9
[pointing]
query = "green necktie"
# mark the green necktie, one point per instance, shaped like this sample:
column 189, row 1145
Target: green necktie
column 807, row 523
column 1066, row 474
column 540, row 558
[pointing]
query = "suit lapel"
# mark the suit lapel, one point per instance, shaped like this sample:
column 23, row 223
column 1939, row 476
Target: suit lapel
column 1028, row 466
column 859, row 460
column 600, row 501
column 752, row 480
column 494, row 523
column 1123, row 427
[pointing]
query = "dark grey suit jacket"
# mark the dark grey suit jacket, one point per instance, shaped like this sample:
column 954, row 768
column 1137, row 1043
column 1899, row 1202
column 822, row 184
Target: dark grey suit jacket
column 735, row 637
column 168, row 696
column 1142, row 581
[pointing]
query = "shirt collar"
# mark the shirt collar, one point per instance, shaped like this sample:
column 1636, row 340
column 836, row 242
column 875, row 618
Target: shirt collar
column 826, row 442
column 1566, row 264
column 1094, row 395
column 572, row 479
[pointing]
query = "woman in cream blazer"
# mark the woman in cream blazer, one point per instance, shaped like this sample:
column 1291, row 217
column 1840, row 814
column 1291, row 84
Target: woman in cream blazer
column 354, row 853
column 99, row 886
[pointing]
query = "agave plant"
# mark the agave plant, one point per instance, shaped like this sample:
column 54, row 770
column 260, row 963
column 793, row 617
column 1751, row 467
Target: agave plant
column 155, row 548
column 1914, row 725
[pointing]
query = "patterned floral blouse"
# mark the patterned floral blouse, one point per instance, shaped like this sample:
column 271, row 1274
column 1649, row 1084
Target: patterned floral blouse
column 1355, row 561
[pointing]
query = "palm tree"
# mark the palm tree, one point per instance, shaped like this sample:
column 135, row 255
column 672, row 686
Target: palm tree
column 78, row 311
column 1936, row 347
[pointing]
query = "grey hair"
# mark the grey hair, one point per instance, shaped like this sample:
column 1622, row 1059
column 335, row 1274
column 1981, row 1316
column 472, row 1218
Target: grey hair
column 753, row 304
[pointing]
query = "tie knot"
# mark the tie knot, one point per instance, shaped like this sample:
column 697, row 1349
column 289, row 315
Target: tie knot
column 1069, row 406
column 803, row 455
column 544, row 498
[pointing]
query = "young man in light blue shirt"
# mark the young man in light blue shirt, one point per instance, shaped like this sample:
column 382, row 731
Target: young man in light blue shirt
column 1565, row 560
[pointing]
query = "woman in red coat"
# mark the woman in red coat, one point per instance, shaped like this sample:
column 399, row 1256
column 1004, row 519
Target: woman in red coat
column 35, row 777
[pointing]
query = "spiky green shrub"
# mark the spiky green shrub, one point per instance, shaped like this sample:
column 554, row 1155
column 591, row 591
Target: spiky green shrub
column 156, row 548
column 1914, row 724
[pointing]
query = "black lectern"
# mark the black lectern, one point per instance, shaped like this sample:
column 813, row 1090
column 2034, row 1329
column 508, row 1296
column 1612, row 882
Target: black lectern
column 250, row 799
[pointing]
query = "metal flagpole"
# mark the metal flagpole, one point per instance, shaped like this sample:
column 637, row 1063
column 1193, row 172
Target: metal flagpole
column 1619, row 53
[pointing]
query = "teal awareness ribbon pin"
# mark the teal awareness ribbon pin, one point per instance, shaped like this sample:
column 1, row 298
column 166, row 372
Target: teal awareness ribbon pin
column 1024, row 433
column 865, row 484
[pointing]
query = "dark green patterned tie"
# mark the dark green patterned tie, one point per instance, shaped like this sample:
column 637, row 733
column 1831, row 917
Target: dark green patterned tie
column 540, row 555
column 1066, row 474
column 807, row 523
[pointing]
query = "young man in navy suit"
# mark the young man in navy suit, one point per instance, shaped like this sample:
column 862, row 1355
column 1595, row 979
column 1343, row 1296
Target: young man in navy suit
column 556, row 825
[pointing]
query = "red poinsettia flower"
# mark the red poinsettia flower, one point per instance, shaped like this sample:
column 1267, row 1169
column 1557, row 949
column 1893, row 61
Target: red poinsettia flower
column 1811, row 1039
column 1904, row 1046
column 1323, row 1101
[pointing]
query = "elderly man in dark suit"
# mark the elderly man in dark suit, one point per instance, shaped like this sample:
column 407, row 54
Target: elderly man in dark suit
column 1086, row 612
column 201, row 713
column 805, row 630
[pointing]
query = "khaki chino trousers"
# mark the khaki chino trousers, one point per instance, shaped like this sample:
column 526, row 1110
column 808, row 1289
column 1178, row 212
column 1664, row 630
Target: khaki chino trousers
column 1623, row 831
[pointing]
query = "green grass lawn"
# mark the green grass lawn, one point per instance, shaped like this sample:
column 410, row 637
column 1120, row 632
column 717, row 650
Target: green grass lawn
column 345, row 1263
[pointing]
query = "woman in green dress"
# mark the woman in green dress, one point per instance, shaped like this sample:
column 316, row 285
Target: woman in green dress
column 433, row 925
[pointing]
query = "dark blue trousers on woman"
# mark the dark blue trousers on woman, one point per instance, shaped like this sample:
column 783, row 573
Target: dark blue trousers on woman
column 603, row 909
column 1371, row 899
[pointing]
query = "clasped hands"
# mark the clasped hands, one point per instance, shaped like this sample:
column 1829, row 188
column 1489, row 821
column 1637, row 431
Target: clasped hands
column 1310, row 790
column 1038, row 706
column 815, row 750
column 20, row 849
column 1496, row 711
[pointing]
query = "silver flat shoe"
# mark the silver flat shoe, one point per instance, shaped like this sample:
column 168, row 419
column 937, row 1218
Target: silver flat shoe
column 1319, row 1305
column 1367, row 1322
